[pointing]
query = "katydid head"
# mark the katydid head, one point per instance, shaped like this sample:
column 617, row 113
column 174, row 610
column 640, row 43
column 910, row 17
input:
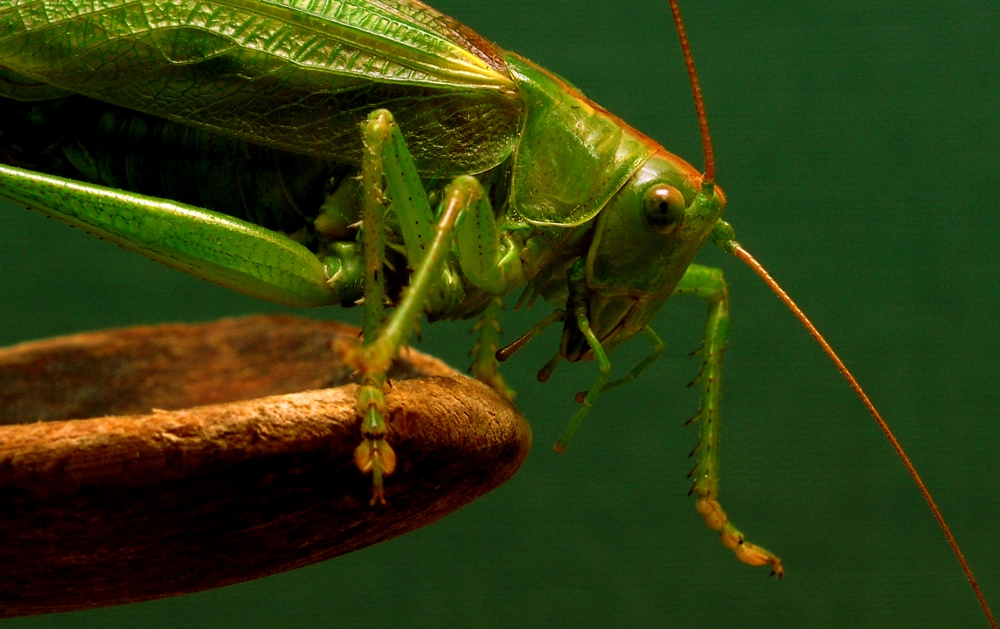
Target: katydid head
column 644, row 239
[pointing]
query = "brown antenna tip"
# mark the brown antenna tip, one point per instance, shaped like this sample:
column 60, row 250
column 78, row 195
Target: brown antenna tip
column 699, row 103
column 734, row 248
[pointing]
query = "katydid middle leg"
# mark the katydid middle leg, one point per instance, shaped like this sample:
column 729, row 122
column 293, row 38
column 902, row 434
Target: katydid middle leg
column 485, row 366
column 709, row 284
column 485, row 257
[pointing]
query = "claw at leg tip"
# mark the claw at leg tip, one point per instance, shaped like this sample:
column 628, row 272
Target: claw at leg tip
column 378, row 497
column 375, row 456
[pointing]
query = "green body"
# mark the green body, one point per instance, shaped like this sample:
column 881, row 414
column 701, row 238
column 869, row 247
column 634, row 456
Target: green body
column 468, row 108
column 535, row 186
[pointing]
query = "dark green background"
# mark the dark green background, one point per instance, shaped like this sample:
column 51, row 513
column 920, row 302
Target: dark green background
column 858, row 143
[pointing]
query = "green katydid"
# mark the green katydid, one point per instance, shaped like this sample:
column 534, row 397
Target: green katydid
column 550, row 236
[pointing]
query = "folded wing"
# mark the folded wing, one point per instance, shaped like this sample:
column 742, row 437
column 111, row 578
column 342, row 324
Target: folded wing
column 299, row 75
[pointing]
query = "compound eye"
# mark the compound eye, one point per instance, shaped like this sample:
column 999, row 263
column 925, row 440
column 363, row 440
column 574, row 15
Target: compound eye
column 663, row 208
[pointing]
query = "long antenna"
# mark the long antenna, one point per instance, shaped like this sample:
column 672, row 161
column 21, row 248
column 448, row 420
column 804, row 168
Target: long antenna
column 734, row 248
column 699, row 102
column 745, row 256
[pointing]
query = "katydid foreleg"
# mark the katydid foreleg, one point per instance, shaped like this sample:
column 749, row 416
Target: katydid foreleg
column 708, row 284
